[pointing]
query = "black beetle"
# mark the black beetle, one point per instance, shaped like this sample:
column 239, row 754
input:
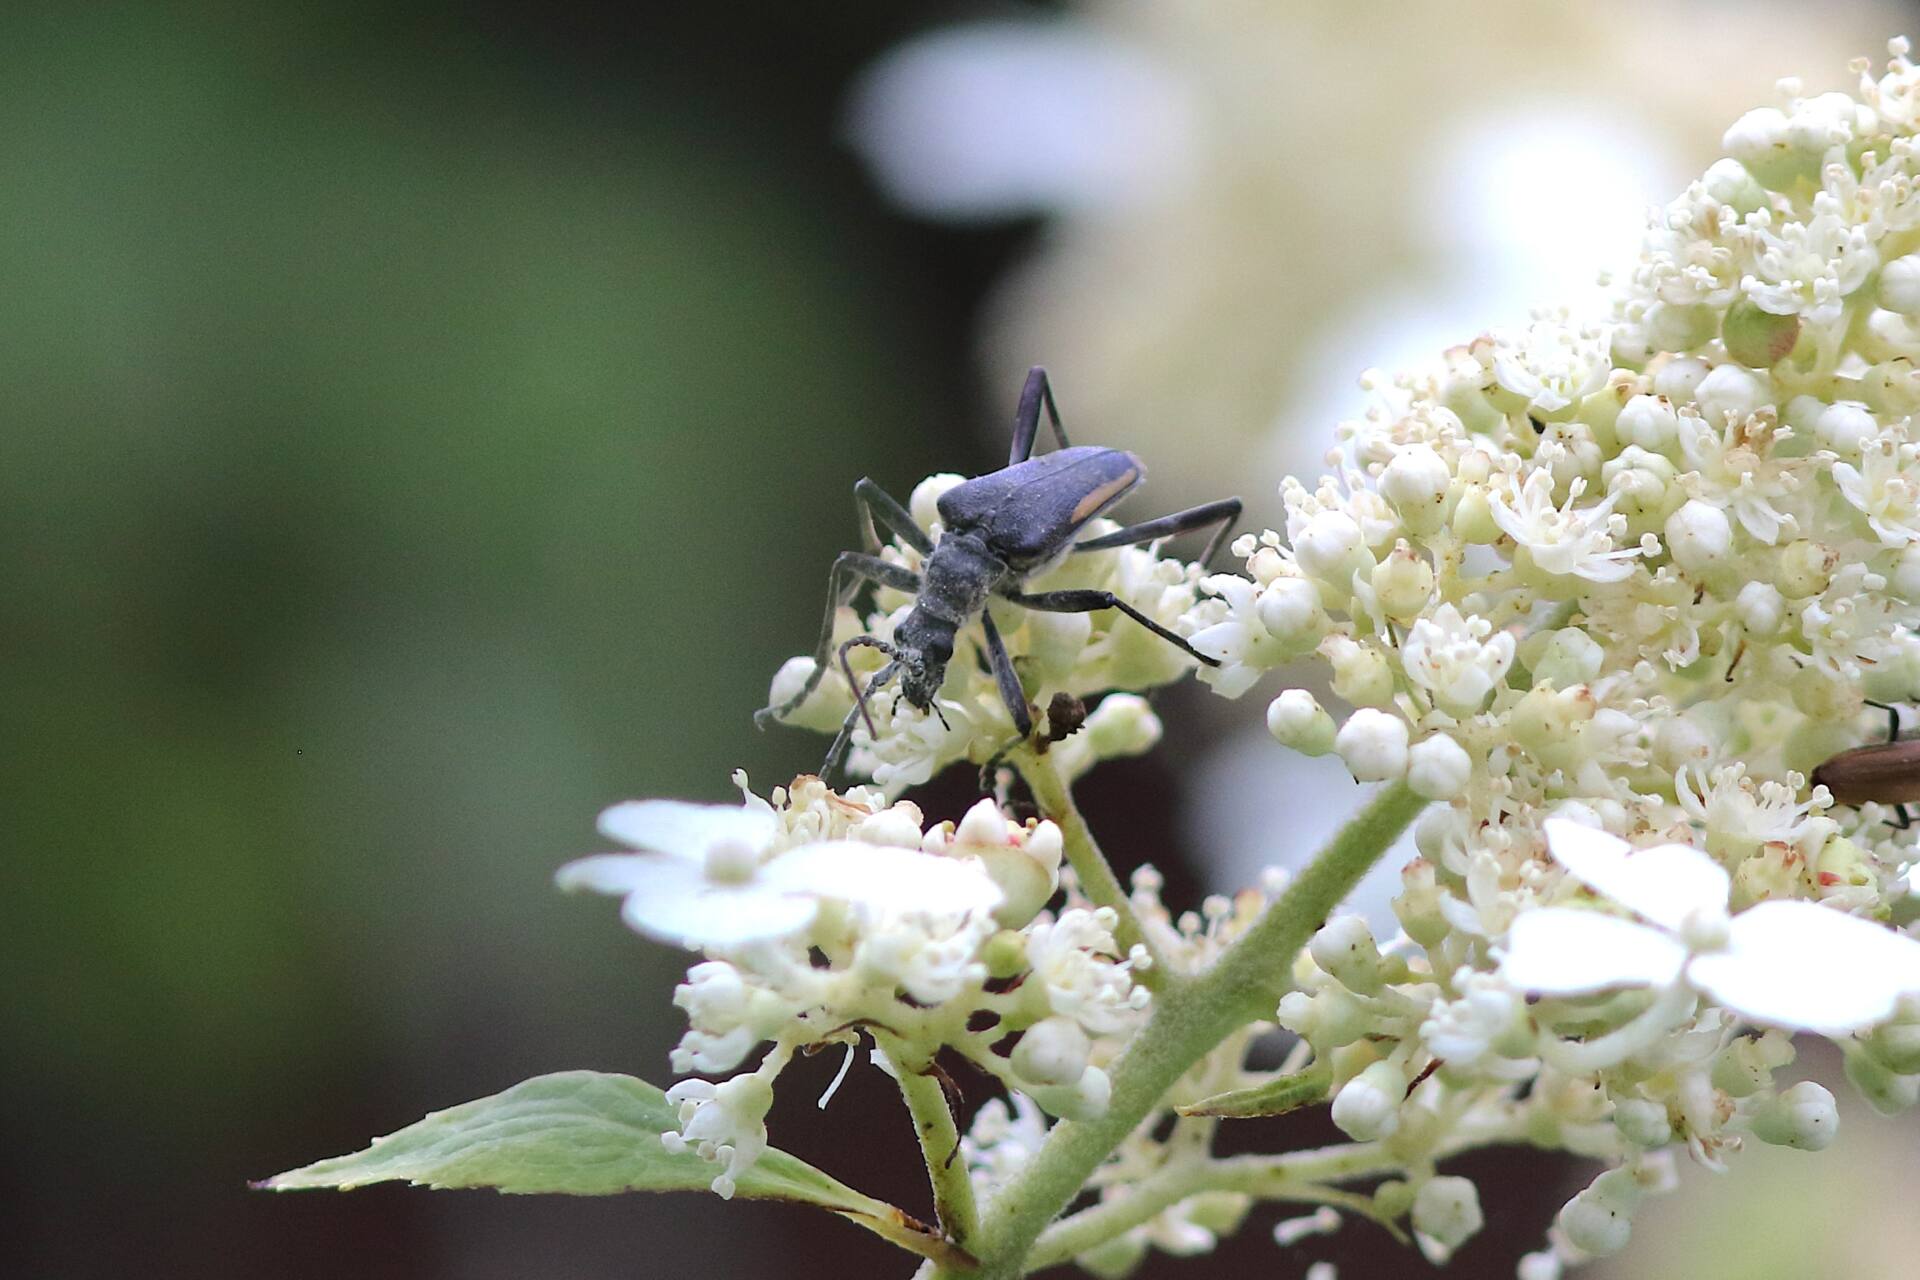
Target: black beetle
column 1878, row 773
column 998, row 530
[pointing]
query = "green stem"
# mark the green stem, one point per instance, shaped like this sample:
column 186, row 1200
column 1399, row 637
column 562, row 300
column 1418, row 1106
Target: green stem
column 1244, row 985
column 1294, row 1175
column 1097, row 881
column 939, row 1137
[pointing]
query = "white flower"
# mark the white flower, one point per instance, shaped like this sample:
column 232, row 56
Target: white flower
column 703, row 883
column 1453, row 658
column 1066, row 956
column 1550, row 366
column 724, row 1123
column 1783, row 963
column 1565, row 540
column 1885, row 488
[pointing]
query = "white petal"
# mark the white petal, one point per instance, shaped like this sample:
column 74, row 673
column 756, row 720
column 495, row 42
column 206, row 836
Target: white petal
column 1665, row 884
column 685, row 830
column 717, row 915
column 885, row 878
column 1562, row 951
column 671, row 900
column 619, row 873
column 1802, row 965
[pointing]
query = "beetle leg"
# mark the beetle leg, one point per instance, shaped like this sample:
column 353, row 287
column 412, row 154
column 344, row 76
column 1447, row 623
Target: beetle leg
column 850, row 569
column 1893, row 718
column 1906, row 819
column 1026, row 418
column 1223, row 513
column 878, row 506
column 845, row 736
column 1006, row 677
column 1091, row 601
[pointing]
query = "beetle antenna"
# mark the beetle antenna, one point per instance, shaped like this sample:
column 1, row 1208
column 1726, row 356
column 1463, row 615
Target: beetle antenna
column 860, row 695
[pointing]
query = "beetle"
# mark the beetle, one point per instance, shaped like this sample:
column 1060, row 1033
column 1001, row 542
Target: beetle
column 997, row 531
column 1878, row 773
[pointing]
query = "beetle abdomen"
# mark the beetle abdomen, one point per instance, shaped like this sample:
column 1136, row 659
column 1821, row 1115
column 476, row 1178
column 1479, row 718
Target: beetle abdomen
column 1883, row 773
column 1028, row 513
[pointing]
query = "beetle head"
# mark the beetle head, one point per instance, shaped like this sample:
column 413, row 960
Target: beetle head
column 922, row 645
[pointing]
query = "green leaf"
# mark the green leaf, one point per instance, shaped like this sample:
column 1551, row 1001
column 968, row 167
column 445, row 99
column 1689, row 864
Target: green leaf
column 1273, row 1098
column 586, row 1133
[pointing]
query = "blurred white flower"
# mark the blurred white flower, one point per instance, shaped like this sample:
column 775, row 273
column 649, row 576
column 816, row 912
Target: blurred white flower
column 1783, row 963
column 705, row 880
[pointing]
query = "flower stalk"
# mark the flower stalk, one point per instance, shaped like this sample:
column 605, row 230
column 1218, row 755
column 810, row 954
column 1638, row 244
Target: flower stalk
column 1241, row 987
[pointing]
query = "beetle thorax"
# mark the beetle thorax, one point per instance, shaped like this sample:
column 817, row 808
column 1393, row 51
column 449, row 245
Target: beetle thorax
column 958, row 577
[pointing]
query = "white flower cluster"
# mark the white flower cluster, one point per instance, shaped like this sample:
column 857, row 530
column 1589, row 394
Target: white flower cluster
column 1637, row 578
column 825, row 915
column 1075, row 653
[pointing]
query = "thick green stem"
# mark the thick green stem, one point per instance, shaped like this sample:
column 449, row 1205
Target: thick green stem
column 1243, row 986
column 1097, row 880
column 939, row 1144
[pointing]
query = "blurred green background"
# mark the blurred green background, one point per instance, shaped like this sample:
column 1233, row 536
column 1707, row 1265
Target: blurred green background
column 421, row 425
column 425, row 425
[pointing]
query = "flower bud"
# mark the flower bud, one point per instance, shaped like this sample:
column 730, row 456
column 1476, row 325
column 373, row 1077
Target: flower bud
column 1403, row 582
column 1055, row 642
column 1886, row 1091
column 923, row 504
column 1699, row 536
column 1085, row 1099
column 1438, row 768
column 1728, row 181
column 1761, row 608
column 1052, row 1051
column 1643, row 1123
column 1804, row 569
column 1895, row 1044
column 1803, row 1117
column 1446, row 1214
column 1756, row 337
column 1679, row 742
column 1296, row 719
column 1328, row 1019
column 1417, row 906
column 1005, row 954
column 1844, row 427
column 1742, row 1069
column 824, row 708
column 1344, row 947
column 1900, row 285
column 1361, row 673
column 1677, row 379
column 1674, row 326
column 1373, row 745
column 1025, row 864
column 1544, row 720
column 1473, row 521
column 1566, row 657
column 1124, row 724
column 1331, row 549
column 1542, row 1265
column 1415, row 482
column 1290, row 609
column 1650, row 422
column 1599, row 1220
column 1762, row 141
column 1368, row 1106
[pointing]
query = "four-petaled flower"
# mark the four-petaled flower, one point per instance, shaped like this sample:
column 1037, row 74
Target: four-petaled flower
column 706, row 879
column 1783, row 963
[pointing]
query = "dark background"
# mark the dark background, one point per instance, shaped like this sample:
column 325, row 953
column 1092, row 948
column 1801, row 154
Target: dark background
column 426, row 425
